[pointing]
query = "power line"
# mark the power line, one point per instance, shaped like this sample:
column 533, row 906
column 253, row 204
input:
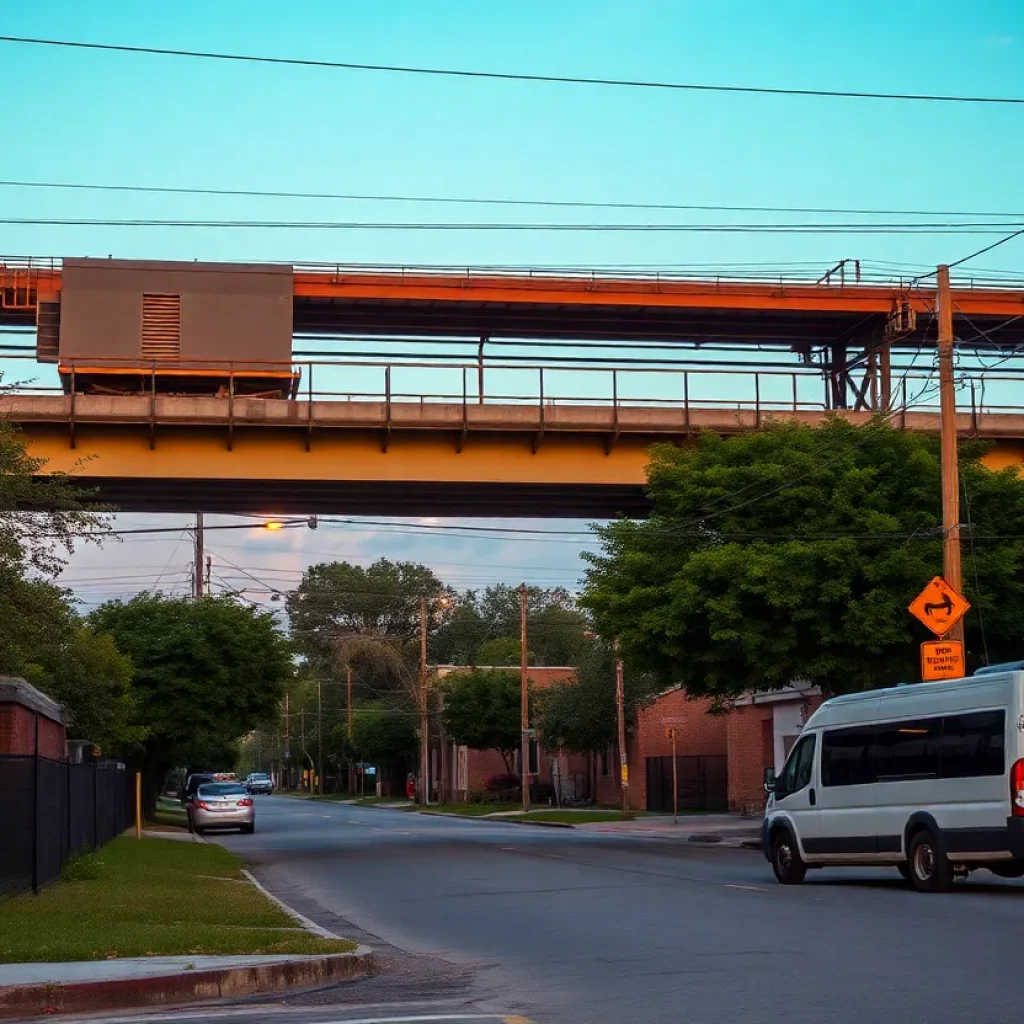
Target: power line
column 487, row 201
column 890, row 228
column 516, row 76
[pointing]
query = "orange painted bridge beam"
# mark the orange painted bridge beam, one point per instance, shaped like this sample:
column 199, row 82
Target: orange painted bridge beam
column 597, row 290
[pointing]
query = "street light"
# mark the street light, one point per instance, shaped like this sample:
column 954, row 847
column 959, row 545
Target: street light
column 273, row 524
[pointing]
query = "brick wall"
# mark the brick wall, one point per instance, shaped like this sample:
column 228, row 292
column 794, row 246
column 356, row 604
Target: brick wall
column 751, row 744
column 750, row 732
column 18, row 733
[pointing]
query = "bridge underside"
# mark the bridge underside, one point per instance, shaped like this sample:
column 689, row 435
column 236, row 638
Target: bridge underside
column 176, row 454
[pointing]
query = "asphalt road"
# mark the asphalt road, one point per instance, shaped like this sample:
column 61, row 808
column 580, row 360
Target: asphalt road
column 570, row 927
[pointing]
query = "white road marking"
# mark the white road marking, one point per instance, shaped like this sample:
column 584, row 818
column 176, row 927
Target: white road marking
column 268, row 1011
column 746, row 888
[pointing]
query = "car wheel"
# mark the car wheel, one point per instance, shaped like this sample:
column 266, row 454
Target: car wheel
column 788, row 865
column 248, row 829
column 930, row 869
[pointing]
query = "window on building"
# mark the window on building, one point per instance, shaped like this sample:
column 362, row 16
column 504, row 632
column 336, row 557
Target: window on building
column 534, row 757
column 846, row 757
column 907, row 750
column 972, row 745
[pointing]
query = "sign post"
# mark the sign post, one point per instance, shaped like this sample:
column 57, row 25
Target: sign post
column 671, row 734
column 940, row 608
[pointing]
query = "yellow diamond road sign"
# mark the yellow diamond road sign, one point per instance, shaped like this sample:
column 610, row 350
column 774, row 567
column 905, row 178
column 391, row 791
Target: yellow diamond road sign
column 939, row 606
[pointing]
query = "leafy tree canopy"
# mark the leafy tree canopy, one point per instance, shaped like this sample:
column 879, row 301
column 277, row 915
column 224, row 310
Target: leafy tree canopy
column 482, row 710
column 205, row 671
column 580, row 714
column 792, row 553
column 382, row 734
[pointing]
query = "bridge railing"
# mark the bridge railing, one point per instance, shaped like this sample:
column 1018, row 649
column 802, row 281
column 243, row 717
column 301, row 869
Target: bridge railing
column 707, row 385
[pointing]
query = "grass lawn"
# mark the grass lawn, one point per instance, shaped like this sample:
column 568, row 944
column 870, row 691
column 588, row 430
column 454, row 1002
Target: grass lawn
column 169, row 813
column 376, row 801
column 469, row 810
column 571, row 817
column 151, row 897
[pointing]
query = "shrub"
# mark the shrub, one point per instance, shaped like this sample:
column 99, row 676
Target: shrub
column 504, row 784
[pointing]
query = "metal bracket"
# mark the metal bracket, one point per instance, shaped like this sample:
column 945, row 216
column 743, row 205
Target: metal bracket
column 539, row 436
column 71, row 412
column 610, row 442
column 385, row 438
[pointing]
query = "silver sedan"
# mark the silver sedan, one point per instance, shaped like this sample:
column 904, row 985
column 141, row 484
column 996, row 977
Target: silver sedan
column 222, row 805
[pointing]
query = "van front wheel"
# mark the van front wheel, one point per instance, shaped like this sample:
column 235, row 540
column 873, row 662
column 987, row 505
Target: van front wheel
column 930, row 869
column 787, row 863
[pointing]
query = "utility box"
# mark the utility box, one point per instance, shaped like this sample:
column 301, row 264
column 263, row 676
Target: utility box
column 125, row 326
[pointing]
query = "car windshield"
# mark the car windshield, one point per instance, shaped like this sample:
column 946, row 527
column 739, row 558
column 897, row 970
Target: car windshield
column 222, row 789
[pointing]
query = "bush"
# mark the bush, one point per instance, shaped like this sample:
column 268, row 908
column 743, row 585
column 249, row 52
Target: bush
column 504, row 785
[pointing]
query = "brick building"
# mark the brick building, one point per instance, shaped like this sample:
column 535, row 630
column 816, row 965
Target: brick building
column 721, row 755
column 30, row 722
column 469, row 769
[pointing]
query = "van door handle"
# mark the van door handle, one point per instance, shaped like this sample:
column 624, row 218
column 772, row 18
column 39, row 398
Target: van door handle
column 814, row 799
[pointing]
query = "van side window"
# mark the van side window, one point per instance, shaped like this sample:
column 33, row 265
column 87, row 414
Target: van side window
column 846, row 757
column 908, row 750
column 797, row 771
column 972, row 745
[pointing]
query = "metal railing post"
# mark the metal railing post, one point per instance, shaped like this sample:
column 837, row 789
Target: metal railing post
column 309, row 407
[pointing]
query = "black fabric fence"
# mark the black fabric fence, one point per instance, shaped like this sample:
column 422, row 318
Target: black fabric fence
column 52, row 810
column 703, row 782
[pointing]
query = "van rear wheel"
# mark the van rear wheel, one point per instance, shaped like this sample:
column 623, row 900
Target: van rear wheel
column 930, row 869
column 788, row 865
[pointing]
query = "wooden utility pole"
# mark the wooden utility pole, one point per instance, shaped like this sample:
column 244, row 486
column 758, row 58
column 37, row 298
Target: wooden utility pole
column 348, row 715
column 319, row 738
column 287, row 743
column 620, row 709
column 197, row 578
column 524, row 700
column 424, row 721
column 950, row 467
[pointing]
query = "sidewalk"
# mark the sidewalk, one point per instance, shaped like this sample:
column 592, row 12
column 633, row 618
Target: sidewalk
column 32, row 989
column 730, row 830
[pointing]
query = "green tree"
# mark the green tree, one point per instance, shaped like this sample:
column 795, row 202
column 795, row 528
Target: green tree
column 344, row 615
column 482, row 711
column 43, row 638
column 205, row 673
column 503, row 650
column 579, row 714
column 383, row 735
column 458, row 639
column 792, row 553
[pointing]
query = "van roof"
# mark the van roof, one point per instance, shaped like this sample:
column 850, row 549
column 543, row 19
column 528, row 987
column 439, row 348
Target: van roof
column 903, row 689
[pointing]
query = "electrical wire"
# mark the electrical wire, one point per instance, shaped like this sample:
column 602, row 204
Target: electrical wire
column 487, row 201
column 512, row 76
column 891, row 228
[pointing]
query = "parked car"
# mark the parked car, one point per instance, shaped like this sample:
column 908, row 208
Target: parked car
column 222, row 805
column 192, row 783
column 927, row 778
column 258, row 782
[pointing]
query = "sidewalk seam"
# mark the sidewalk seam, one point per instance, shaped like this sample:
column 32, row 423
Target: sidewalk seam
column 310, row 926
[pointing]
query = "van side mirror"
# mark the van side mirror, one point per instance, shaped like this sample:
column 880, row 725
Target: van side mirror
column 769, row 780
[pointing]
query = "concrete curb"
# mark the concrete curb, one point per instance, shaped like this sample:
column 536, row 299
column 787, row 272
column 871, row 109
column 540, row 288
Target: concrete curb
column 501, row 819
column 131, row 993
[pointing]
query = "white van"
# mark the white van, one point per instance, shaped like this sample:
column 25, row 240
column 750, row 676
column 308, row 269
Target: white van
column 928, row 778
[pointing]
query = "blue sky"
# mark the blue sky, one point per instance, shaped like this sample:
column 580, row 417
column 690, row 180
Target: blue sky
column 82, row 116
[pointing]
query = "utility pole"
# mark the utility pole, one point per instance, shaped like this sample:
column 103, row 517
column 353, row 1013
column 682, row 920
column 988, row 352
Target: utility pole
column 319, row 737
column 302, row 736
column 348, row 710
column 620, row 709
column 424, row 724
column 524, row 700
column 287, row 743
column 197, row 577
column 950, row 467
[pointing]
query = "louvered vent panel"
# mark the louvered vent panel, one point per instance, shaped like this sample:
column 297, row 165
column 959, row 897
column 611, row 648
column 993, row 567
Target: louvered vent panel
column 47, row 331
column 161, row 326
